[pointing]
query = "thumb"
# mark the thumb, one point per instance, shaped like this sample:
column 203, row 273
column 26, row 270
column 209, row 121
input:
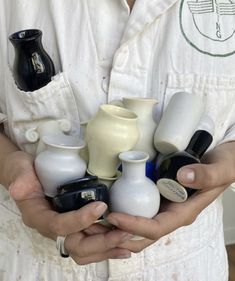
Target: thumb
column 26, row 186
column 200, row 176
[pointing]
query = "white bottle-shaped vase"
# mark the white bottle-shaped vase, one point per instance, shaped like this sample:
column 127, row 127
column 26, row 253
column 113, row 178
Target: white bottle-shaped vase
column 112, row 130
column 133, row 193
column 59, row 162
column 143, row 108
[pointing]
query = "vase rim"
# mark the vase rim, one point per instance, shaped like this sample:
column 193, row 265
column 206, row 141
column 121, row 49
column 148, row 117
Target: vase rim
column 118, row 112
column 25, row 35
column 134, row 156
column 66, row 141
column 150, row 100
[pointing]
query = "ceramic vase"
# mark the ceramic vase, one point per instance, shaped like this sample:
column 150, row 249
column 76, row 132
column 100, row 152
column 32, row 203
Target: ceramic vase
column 133, row 193
column 169, row 165
column 112, row 130
column 49, row 127
column 178, row 122
column 84, row 151
column 33, row 68
column 143, row 108
column 107, row 181
column 59, row 163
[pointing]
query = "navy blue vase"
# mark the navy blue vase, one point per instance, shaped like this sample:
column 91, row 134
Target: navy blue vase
column 33, row 67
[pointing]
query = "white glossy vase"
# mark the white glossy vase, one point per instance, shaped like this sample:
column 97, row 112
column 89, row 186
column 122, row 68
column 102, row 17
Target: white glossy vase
column 45, row 128
column 59, row 162
column 133, row 193
column 143, row 108
column 112, row 130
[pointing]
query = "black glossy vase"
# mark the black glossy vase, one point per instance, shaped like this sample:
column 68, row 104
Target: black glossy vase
column 169, row 165
column 33, row 68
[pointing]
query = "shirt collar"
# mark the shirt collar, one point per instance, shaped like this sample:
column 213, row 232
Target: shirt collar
column 143, row 13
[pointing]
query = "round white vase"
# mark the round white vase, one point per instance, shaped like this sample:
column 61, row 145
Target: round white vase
column 143, row 108
column 178, row 122
column 133, row 193
column 112, row 130
column 59, row 162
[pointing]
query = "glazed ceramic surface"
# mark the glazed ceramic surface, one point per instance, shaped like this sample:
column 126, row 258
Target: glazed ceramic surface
column 76, row 198
column 133, row 193
column 49, row 127
column 178, row 122
column 169, row 165
column 111, row 131
column 59, row 163
column 143, row 107
column 33, row 68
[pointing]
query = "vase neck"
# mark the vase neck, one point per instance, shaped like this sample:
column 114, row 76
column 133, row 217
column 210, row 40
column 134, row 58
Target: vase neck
column 32, row 41
column 133, row 170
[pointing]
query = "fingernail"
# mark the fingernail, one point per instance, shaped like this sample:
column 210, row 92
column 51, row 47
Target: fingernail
column 186, row 175
column 100, row 209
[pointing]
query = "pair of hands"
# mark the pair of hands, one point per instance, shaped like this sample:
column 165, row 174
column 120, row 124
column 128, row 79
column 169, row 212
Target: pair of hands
column 89, row 242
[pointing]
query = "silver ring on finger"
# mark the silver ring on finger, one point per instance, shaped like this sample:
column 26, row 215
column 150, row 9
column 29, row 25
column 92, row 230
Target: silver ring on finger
column 60, row 246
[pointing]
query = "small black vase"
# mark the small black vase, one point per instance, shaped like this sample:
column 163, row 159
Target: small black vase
column 33, row 68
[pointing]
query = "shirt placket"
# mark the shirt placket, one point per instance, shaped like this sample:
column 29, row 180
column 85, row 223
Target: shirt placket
column 127, row 80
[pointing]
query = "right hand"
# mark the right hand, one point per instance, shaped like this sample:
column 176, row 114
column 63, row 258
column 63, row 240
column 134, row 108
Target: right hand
column 100, row 244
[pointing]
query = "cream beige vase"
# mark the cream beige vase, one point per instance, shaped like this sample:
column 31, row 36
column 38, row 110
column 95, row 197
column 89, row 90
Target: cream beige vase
column 112, row 130
column 143, row 108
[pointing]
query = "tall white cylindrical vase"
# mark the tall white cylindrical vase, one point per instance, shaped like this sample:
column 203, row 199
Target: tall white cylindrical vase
column 178, row 122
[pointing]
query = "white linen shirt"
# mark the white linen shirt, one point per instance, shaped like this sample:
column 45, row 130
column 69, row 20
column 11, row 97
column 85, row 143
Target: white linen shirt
column 102, row 52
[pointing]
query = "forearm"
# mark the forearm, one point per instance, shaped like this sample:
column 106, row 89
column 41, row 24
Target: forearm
column 8, row 163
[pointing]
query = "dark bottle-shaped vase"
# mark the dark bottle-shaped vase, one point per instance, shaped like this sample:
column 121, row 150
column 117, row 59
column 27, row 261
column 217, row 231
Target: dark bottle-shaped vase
column 169, row 165
column 33, row 68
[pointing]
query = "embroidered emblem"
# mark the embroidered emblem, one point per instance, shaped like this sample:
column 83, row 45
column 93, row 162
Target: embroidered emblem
column 209, row 25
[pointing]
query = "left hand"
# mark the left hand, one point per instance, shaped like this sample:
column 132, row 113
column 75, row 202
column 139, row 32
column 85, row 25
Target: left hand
column 211, row 178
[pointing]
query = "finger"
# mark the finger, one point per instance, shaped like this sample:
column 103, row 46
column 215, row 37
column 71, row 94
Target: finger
column 96, row 229
column 136, row 246
column 82, row 246
column 111, row 254
column 175, row 216
column 201, row 176
column 152, row 229
column 75, row 221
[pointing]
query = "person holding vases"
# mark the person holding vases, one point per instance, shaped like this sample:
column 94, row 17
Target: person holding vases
column 104, row 51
